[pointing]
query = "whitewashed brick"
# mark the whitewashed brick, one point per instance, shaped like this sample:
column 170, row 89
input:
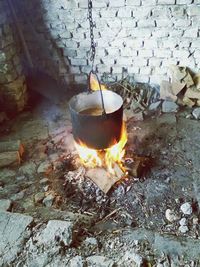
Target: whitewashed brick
column 150, row 43
column 192, row 32
column 169, row 42
column 146, row 23
column 157, row 79
column 142, row 32
column 116, row 69
column 99, row 3
column 78, row 61
column 116, row 3
column 193, row 10
column 166, row 2
column 133, row 2
column 195, row 43
column 108, row 13
column 183, row 2
column 189, row 62
column 108, row 60
column 124, row 61
column 177, row 11
column 140, row 61
column 111, row 51
column 196, row 1
column 164, row 22
column 103, row 68
column 145, row 53
column 169, row 61
column 80, row 79
column 113, row 23
column 134, row 43
column 128, row 22
column 155, row 61
column 133, row 69
column 195, row 21
column 124, row 12
column 176, row 33
column 182, row 22
column 145, row 70
column 141, row 78
column 145, row 12
column 148, row 2
column 128, row 52
column 181, row 53
column 197, row 54
column 75, row 70
column 162, row 53
column 161, row 12
column 160, row 32
column 161, row 70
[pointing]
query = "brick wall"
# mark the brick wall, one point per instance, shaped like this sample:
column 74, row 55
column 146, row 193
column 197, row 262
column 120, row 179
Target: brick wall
column 12, row 81
column 140, row 37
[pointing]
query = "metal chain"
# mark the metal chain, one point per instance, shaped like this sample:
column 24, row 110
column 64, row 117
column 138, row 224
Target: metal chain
column 92, row 48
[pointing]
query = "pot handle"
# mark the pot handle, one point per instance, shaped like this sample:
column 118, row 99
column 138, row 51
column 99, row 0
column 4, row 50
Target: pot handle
column 100, row 89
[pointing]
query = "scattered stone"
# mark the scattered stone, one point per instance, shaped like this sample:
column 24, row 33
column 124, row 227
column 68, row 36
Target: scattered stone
column 76, row 262
column 5, row 204
column 45, row 167
column 169, row 106
column 21, row 178
column 154, row 106
column 196, row 113
column 131, row 258
column 56, row 231
column 44, row 181
column 183, row 221
column 12, row 235
column 171, row 216
column 39, row 197
column 6, row 174
column 46, row 188
column 28, row 168
column 186, row 208
column 183, row 229
column 91, row 241
column 99, row 261
column 195, row 221
column 18, row 196
column 48, row 200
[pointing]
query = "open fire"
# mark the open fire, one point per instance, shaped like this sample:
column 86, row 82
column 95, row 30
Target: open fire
column 104, row 158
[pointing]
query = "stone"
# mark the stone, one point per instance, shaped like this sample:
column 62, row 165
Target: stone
column 99, row 261
column 183, row 221
column 56, row 231
column 44, row 181
column 186, row 208
column 154, row 106
column 13, row 233
column 169, row 106
column 45, row 167
column 131, row 258
column 170, row 215
column 18, row 196
column 6, row 174
column 48, row 200
column 76, row 262
column 28, row 168
column 39, row 197
column 5, row 204
column 196, row 113
column 183, row 229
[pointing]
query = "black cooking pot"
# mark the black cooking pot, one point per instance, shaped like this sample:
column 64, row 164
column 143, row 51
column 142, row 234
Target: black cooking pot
column 98, row 131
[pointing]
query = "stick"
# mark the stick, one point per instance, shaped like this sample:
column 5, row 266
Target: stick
column 9, row 158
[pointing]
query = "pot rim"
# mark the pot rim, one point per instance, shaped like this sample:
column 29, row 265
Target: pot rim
column 72, row 101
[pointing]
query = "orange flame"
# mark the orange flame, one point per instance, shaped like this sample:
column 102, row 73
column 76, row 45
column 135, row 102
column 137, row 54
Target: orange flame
column 96, row 158
column 94, row 85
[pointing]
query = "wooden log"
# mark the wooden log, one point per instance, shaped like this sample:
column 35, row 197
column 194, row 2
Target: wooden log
column 12, row 146
column 9, row 158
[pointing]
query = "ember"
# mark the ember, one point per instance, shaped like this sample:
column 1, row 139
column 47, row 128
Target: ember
column 108, row 157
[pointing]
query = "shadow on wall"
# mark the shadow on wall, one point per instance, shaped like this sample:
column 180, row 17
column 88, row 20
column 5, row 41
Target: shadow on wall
column 52, row 68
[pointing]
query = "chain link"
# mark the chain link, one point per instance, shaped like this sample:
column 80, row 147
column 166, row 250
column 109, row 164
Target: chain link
column 92, row 48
